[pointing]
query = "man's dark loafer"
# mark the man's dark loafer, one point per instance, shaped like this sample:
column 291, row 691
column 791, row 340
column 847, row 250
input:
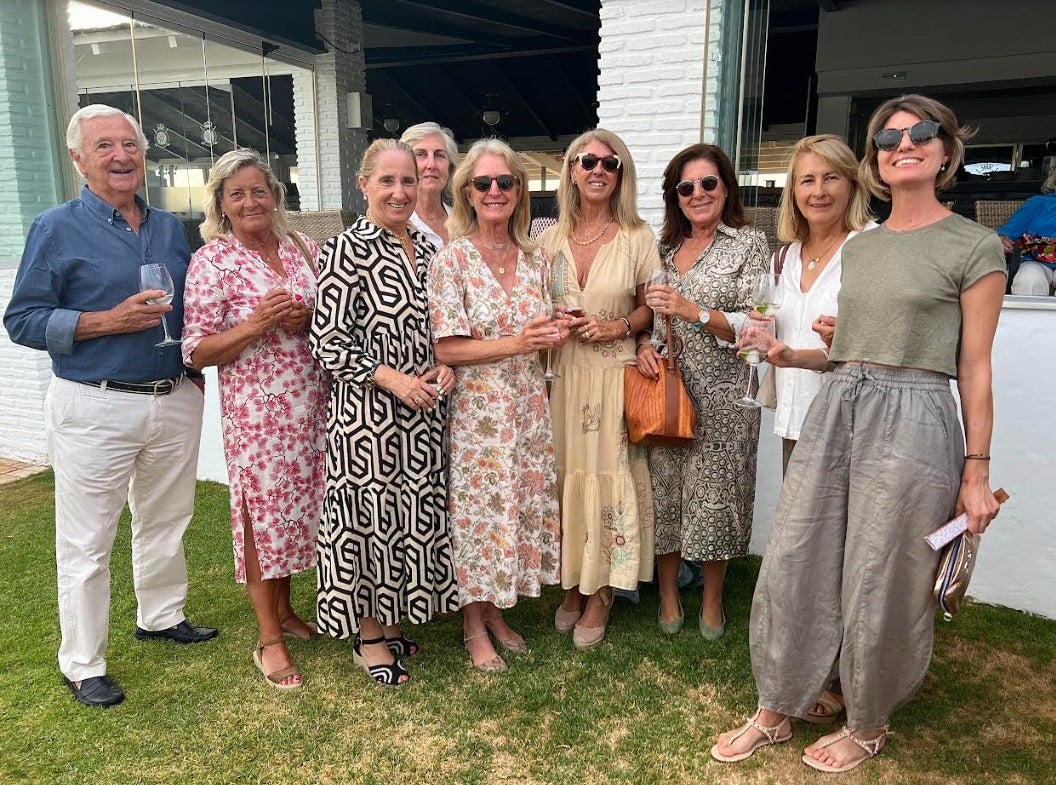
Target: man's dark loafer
column 96, row 691
column 184, row 632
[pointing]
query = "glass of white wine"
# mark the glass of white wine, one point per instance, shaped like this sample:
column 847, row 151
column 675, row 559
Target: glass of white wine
column 753, row 354
column 545, row 307
column 767, row 294
column 156, row 276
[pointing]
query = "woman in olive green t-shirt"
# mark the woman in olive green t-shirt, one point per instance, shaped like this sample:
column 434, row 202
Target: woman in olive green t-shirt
column 881, row 460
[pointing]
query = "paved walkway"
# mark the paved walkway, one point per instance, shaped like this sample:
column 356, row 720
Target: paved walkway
column 15, row 470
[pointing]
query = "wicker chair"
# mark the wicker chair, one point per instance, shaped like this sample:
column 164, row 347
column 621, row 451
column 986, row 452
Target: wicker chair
column 538, row 225
column 994, row 214
column 765, row 219
column 320, row 225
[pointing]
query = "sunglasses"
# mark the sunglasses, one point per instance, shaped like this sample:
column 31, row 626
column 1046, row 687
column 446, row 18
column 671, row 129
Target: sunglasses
column 686, row 187
column 504, row 181
column 587, row 161
column 921, row 133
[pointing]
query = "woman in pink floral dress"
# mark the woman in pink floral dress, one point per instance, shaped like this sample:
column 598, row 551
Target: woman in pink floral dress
column 486, row 294
column 249, row 295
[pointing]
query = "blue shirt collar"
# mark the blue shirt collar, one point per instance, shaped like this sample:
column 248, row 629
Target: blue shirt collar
column 104, row 209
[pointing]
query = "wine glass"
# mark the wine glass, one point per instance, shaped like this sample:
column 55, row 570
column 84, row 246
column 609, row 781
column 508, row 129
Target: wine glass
column 753, row 354
column 546, row 308
column 767, row 294
column 156, row 276
column 658, row 278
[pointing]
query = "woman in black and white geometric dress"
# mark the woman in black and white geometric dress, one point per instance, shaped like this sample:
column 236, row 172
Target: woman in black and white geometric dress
column 384, row 544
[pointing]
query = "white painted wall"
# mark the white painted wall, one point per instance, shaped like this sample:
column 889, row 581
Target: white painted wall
column 1017, row 561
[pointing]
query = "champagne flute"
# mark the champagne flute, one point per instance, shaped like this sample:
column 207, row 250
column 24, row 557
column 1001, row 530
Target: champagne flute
column 156, row 276
column 546, row 308
column 753, row 354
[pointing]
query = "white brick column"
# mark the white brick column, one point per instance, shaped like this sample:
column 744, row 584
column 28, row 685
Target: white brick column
column 652, row 89
column 32, row 159
column 328, row 152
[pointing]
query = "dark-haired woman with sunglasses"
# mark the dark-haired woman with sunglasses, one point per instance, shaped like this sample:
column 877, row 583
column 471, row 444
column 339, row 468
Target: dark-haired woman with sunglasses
column 488, row 305
column 881, row 460
column 603, row 256
column 704, row 494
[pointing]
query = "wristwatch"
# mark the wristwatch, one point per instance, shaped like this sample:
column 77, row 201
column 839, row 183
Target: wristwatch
column 703, row 317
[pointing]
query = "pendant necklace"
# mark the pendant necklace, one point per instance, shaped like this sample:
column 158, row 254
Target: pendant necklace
column 812, row 263
column 593, row 239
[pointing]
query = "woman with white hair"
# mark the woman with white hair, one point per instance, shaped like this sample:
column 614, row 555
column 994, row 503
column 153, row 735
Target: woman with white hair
column 250, row 292
column 436, row 155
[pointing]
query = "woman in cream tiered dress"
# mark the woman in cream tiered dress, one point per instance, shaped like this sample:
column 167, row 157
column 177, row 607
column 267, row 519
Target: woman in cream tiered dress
column 603, row 256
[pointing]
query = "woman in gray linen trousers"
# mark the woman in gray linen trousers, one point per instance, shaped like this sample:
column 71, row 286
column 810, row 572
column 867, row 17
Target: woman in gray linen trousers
column 881, row 460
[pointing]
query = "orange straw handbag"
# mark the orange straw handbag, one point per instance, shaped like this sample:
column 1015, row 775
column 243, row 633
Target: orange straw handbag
column 658, row 411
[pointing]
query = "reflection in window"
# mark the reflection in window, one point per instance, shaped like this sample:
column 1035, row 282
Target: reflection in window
column 196, row 98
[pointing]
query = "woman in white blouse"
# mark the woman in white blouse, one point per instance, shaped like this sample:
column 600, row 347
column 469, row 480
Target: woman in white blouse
column 822, row 206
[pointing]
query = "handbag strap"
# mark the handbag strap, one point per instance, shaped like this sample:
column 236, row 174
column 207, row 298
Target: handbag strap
column 670, row 380
column 778, row 263
column 296, row 237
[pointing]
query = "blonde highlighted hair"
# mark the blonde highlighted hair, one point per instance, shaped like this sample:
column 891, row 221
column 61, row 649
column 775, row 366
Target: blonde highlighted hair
column 624, row 200
column 951, row 133
column 791, row 224
column 216, row 223
column 463, row 219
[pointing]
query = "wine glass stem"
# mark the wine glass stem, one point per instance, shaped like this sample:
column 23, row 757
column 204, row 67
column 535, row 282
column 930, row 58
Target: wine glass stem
column 165, row 327
column 751, row 369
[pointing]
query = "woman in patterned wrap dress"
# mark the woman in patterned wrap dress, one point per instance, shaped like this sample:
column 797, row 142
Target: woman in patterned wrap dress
column 384, row 546
column 485, row 292
column 248, row 298
column 704, row 494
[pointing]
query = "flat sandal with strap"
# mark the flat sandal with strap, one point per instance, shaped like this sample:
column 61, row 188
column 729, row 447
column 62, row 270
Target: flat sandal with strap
column 389, row 674
column 871, row 747
column 771, row 735
column 275, row 678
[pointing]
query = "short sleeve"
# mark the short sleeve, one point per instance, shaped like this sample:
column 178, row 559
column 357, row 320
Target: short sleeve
column 988, row 256
column 446, row 288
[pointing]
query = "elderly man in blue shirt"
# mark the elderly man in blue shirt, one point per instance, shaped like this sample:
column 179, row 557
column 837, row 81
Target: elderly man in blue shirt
column 122, row 419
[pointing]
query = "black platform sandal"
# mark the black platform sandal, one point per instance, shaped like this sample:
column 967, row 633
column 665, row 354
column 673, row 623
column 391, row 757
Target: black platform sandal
column 388, row 674
column 402, row 646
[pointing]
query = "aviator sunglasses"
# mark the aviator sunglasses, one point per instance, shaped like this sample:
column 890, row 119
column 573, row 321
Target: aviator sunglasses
column 504, row 181
column 921, row 133
column 610, row 163
column 709, row 183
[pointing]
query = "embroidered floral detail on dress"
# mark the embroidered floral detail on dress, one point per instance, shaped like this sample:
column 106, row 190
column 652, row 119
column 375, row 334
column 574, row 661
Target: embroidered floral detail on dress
column 614, row 521
column 591, row 421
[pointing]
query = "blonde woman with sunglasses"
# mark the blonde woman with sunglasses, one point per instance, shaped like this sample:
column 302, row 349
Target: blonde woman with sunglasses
column 603, row 256
column 881, row 460
column 488, row 305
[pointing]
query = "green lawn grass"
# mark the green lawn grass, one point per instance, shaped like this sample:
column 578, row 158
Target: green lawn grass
column 639, row 709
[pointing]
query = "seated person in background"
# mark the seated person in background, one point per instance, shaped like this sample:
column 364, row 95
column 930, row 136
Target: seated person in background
column 1036, row 218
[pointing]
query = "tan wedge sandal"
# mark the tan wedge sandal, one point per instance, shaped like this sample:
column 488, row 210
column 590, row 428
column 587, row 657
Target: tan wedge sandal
column 276, row 678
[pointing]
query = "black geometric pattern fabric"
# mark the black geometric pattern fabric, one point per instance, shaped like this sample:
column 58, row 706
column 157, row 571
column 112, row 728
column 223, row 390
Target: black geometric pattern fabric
column 384, row 540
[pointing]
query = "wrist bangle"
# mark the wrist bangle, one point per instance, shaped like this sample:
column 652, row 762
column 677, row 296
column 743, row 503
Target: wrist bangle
column 977, row 456
column 627, row 322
